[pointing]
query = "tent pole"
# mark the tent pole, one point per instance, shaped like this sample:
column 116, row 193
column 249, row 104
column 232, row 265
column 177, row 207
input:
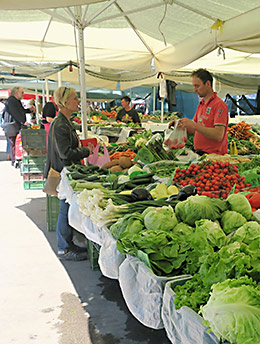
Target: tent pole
column 154, row 97
column 59, row 79
column 162, row 103
column 37, row 106
column 82, row 82
column 47, row 90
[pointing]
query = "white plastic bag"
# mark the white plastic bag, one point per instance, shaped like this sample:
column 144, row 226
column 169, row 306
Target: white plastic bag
column 175, row 138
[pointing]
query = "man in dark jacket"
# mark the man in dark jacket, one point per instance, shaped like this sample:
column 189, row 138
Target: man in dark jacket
column 15, row 108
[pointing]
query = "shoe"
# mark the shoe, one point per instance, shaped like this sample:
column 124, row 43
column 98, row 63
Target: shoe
column 77, row 249
column 72, row 255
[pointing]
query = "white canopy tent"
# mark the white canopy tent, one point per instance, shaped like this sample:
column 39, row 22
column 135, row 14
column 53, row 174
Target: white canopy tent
column 136, row 35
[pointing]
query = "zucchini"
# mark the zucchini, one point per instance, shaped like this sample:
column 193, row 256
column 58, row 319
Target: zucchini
column 142, row 181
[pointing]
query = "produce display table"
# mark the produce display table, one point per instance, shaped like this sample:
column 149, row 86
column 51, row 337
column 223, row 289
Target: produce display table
column 143, row 291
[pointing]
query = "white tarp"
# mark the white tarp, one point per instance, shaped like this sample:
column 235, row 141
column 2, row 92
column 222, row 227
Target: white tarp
column 142, row 291
column 109, row 257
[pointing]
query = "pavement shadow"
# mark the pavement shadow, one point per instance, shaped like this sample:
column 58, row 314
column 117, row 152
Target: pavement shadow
column 110, row 321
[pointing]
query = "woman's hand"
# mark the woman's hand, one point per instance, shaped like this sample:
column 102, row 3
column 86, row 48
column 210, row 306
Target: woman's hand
column 90, row 148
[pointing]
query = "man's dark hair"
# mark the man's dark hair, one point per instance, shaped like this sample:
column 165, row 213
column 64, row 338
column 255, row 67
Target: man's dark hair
column 203, row 75
column 127, row 99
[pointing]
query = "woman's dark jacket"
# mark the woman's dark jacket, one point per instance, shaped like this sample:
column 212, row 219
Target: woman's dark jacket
column 63, row 145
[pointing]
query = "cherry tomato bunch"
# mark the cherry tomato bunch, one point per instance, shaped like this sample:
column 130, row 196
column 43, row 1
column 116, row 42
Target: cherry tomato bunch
column 212, row 179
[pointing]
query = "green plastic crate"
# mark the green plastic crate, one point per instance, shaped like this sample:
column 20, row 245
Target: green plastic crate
column 93, row 254
column 52, row 212
column 33, row 184
column 33, row 138
column 34, row 160
column 26, row 168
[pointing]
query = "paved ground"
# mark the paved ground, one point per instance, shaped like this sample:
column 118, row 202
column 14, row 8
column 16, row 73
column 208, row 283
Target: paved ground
column 45, row 301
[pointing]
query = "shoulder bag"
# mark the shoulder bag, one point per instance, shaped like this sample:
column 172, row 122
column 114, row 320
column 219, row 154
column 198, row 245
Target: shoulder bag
column 54, row 177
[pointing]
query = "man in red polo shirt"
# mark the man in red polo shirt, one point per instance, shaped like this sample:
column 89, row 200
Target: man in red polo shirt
column 210, row 123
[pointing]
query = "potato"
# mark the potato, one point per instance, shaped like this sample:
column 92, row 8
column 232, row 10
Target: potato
column 111, row 163
column 116, row 168
column 125, row 162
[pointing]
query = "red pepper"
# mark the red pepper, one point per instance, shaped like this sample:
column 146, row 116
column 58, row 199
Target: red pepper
column 254, row 199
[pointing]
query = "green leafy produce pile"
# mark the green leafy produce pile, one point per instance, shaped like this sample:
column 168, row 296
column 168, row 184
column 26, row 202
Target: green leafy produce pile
column 244, row 147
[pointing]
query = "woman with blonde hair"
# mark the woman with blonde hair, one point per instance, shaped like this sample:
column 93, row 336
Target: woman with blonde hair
column 64, row 149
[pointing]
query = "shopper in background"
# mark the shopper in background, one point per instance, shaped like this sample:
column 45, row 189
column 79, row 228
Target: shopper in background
column 210, row 123
column 63, row 150
column 48, row 115
column 127, row 114
column 15, row 108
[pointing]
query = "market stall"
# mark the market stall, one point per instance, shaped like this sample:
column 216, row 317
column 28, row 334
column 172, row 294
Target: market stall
column 182, row 239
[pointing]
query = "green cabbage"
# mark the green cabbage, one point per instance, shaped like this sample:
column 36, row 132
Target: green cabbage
column 183, row 229
column 239, row 203
column 146, row 211
column 160, row 219
column 214, row 233
column 232, row 220
column 249, row 232
column 132, row 223
column 199, row 207
column 233, row 311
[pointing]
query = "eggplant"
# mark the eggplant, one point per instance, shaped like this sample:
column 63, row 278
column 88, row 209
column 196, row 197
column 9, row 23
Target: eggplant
column 141, row 194
column 187, row 191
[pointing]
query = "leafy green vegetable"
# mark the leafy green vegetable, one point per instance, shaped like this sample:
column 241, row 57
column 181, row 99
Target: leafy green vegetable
column 192, row 294
column 214, row 233
column 232, row 220
column 233, row 311
column 147, row 210
column 160, row 219
column 132, row 223
column 199, row 207
column 240, row 203
column 249, row 232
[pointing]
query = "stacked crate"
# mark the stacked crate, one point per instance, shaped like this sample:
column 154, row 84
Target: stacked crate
column 34, row 158
column 52, row 212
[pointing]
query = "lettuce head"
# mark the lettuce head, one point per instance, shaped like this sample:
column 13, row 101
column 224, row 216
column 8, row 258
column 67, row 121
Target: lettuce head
column 199, row 207
column 213, row 232
column 249, row 232
column 233, row 311
column 240, row 204
column 160, row 219
column 232, row 220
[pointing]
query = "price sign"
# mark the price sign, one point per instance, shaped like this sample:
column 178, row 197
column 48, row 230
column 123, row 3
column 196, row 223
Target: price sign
column 253, row 179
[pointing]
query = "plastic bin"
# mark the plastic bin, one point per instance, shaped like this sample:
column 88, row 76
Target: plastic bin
column 52, row 212
column 33, row 138
column 33, row 184
column 33, row 164
column 93, row 254
column 33, row 176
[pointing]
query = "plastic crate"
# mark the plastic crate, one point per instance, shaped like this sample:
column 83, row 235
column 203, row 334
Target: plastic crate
column 33, row 138
column 34, row 160
column 34, row 152
column 93, row 254
column 33, row 176
column 25, row 168
column 33, row 184
column 52, row 212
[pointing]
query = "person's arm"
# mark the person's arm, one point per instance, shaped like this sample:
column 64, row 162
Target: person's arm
column 62, row 136
column 136, row 118
column 15, row 108
column 215, row 133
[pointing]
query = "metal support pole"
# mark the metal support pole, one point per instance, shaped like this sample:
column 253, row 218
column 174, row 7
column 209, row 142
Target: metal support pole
column 47, row 90
column 37, row 106
column 154, row 98
column 59, row 79
column 162, row 104
column 82, row 82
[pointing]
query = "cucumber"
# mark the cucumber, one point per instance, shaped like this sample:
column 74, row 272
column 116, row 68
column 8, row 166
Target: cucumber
column 142, row 181
column 92, row 178
column 142, row 176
